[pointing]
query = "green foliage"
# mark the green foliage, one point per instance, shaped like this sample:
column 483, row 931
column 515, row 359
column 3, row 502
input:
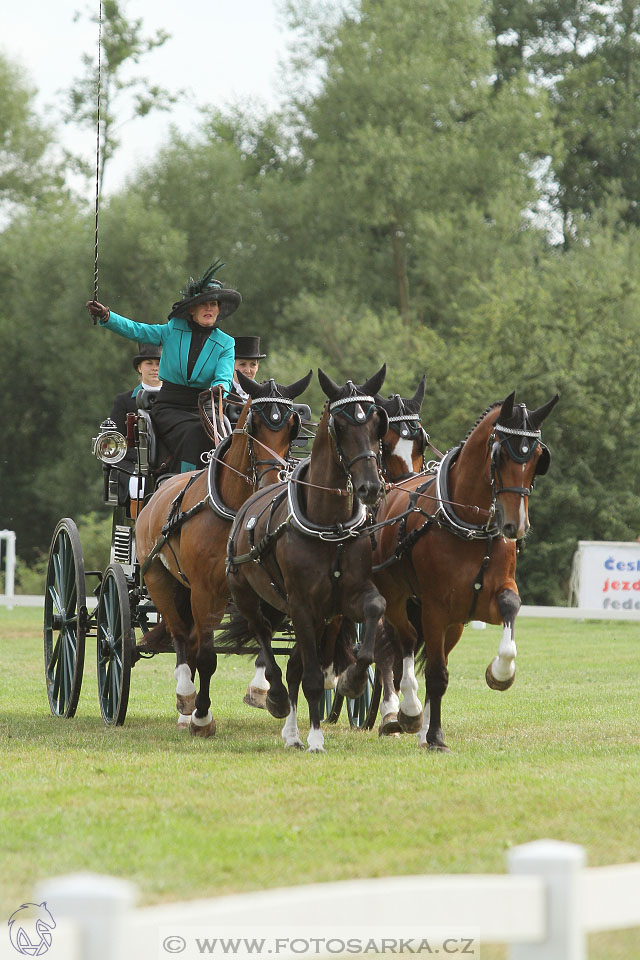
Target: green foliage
column 122, row 44
column 95, row 531
column 27, row 172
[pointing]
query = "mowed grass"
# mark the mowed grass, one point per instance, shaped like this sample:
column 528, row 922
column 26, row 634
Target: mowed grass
column 556, row 756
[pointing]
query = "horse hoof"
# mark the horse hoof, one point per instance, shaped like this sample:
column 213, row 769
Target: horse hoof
column 294, row 745
column 184, row 722
column 206, row 731
column 278, row 708
column 347, row 688
column 498, row 684
column 436, row 747
column 255, row 697
column 409, row 724
column 316, row 750
column 185, row 703
column 389, row 725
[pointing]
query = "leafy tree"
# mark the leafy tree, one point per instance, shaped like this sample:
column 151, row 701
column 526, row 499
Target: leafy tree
column 27, row 173
column 122, row 44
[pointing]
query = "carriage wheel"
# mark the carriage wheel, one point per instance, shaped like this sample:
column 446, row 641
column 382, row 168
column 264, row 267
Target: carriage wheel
column 363, row 710
column 115, row 642
column 65, row 620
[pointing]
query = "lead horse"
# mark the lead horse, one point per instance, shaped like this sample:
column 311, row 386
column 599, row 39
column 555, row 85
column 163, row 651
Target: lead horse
column 182, row 531
column 449, row 542
column 300, row 553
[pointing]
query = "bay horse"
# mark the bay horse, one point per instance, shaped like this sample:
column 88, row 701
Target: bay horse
column 181, row 536
column 402, row 456
column 301, row 552
column 446, row 554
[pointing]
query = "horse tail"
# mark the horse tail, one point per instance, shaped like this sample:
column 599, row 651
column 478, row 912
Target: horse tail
column 343, row 655
column 236, row 636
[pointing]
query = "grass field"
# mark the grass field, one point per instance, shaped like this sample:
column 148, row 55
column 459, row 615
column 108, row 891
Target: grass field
column 556, row 756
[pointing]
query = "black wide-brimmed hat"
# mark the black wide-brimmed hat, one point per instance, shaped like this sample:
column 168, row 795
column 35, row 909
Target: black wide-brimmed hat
column 204, row 289
column 248, row 348
column 147, row 351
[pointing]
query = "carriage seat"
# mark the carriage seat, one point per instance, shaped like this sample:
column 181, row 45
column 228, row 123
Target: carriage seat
column 151, row 449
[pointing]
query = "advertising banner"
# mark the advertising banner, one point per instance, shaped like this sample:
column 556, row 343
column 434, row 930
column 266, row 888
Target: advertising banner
column 606, row 575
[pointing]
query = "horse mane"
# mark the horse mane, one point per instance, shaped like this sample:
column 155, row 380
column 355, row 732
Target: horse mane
column 492, row 406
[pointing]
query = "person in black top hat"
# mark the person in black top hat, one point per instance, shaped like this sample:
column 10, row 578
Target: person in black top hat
column 145, row 363
column 247, row 360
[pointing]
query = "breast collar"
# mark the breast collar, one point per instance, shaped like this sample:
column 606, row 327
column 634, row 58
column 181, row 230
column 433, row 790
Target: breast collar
column 446, row 515
column 333, row 534
column 213, row 493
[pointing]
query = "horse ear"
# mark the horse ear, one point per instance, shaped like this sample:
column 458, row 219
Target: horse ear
column 418, row 396
column 537, row 416
column 374, row 383
column 383, row 426
column 249, row 386
column 329, row 387
column 506, row 411
column 295, row 389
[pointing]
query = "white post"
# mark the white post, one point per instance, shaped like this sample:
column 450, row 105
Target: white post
column 560, row 865
column 9, row 563
column 96, row 905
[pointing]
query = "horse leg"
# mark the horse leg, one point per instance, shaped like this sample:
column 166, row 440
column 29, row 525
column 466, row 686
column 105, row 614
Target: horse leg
column 202, row 723
column 162, row 589
column 353, row 680
column 451, row 636
column 256, row 695
column 290, row 733
column 248, row 603
column 501, row 672
column 436, row 676
column 312, row 675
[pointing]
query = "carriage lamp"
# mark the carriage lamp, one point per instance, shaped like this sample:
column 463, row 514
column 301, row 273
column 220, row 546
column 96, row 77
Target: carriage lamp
column 110, row 446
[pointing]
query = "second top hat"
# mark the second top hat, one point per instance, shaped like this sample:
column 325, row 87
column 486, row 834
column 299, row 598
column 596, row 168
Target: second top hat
column 248, row 348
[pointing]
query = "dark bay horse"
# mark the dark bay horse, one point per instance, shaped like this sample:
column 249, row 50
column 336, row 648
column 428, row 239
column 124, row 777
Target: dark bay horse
column 301, row 553
column 404, row 443
column 181, row 536
column 451, row 546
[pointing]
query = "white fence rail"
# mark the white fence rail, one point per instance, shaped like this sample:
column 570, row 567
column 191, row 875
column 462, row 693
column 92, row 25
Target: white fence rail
column 543, row 909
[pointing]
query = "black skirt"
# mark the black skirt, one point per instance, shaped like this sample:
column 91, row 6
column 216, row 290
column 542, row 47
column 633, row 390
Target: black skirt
column 177, row 421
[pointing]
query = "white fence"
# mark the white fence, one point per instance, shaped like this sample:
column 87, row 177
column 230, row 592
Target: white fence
column 544, row 909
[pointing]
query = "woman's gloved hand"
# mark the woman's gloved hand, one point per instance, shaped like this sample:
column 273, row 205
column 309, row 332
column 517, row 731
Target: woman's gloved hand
column 97, row 310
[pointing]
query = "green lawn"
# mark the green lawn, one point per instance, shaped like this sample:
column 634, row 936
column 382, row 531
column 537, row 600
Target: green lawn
column 556, row 756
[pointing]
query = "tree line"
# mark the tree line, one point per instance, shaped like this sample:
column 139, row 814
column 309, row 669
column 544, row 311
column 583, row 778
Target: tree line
column 451, row 188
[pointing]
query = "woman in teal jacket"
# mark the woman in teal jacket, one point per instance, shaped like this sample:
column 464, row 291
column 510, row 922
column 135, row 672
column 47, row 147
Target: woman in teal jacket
column 196, row 355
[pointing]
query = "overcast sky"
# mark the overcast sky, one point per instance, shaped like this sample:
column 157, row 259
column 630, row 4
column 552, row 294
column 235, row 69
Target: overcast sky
column 223, row 51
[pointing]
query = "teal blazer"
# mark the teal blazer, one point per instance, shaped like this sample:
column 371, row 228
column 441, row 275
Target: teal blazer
column 214, row 365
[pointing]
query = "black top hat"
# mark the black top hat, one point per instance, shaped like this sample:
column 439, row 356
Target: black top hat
column 148, row 351
column 248, row 348
column 205, row 289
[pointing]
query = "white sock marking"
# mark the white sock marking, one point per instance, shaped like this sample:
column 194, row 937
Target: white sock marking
column 411, row 705
column 185, row 685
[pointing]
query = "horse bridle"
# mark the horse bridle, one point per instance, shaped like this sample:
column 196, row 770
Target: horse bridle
column 523, row 454
column 274, row 422
column 359, row 417
column 408, row 426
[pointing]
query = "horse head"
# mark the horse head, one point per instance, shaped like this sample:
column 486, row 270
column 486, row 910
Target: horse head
column 517, row 455
column 272, row 421
column 404, row 442
column 356, row 424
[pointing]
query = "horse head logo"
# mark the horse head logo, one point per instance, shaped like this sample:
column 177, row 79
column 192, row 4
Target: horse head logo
column 36, row 941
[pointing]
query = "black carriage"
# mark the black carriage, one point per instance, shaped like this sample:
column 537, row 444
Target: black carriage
column 121, row 601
